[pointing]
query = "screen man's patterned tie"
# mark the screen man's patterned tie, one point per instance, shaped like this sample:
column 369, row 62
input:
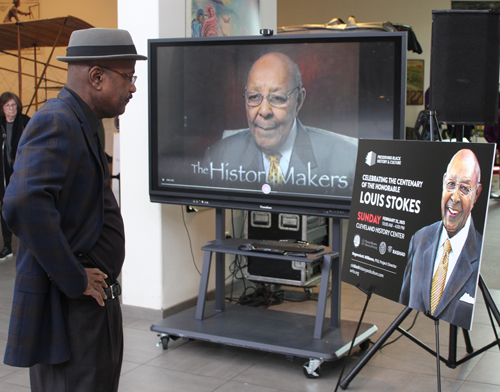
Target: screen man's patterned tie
column 440, row 277
column 275, row 175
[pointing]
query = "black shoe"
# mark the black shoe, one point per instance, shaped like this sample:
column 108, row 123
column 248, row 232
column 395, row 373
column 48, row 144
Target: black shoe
column 6, row 252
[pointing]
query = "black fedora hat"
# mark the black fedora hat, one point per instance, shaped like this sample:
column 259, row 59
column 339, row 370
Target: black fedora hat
column 100, row 44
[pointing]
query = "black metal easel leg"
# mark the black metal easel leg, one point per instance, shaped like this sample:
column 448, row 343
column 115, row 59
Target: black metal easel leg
column 452, row 346
column 488, row 300
column 494, row 328
column 490, row 305
column 438, row 361
column 468, row 342
column 494, row 315
column 371, row 352
column 451, row 362
column 368, row 296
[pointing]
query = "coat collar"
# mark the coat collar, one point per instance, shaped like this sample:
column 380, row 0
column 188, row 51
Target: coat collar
column 68, row 97
column 462, row 271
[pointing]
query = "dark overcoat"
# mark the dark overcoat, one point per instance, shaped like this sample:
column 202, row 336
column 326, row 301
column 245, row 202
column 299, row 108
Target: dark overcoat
column 54, row 205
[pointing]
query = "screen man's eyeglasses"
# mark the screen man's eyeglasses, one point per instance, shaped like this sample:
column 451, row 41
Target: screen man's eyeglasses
column 278, row 100
column 131, row 77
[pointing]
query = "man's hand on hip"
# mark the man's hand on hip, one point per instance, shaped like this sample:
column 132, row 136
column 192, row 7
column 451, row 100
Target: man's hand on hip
column 95, row 285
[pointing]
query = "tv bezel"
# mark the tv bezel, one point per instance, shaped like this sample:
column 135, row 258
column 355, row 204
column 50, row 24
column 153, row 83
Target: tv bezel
column 338, row 207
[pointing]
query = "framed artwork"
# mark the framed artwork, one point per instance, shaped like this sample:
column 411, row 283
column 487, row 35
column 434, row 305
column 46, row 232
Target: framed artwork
column 415, row 82
column 221, row 18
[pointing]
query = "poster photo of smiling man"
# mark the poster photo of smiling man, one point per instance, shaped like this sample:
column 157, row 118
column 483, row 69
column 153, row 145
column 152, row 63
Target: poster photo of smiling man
column 441, row 276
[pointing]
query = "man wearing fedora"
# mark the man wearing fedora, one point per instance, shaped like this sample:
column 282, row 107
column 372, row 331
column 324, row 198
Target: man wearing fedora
column 66, row 322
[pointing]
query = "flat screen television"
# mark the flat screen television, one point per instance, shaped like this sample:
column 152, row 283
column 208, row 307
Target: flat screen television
column 221, row 107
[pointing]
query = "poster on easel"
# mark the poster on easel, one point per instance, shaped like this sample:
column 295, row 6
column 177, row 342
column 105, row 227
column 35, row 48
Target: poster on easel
column 417, row 223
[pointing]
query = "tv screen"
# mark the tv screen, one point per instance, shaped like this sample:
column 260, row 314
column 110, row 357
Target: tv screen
column 270, row 123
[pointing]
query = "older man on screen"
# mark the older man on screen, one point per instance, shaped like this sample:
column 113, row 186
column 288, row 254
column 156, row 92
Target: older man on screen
column 276, row 148
column 441, row 276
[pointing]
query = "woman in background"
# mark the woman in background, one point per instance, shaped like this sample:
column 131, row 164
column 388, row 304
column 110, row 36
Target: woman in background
column 12, row 124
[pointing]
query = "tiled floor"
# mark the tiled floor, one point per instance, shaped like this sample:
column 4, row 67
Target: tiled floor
column 195, row 366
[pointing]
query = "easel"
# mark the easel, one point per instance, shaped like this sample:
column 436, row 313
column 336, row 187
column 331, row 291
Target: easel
column 451, row 362
column 452, row 355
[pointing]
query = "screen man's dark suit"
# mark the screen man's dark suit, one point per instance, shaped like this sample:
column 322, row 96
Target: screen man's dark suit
column 54, row 205
column 328, row 153
column 416, row 289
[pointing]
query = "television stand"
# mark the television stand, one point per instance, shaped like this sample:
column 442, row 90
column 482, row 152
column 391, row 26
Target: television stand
column 317, row 338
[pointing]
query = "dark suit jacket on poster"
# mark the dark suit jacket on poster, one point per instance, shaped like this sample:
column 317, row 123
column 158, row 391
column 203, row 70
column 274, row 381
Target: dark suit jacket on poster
column 328, row 153
column 416, row 289
column 54, row 205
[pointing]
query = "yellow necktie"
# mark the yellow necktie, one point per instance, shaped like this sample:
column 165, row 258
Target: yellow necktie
column 275, row 175
column 440, row 277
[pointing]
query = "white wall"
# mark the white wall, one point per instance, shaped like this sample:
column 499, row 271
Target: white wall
column 159, row 270
column 141, row 274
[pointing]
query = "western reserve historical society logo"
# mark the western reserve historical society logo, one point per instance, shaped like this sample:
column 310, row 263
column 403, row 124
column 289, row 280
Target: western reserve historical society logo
column 356, row 240
column 382, row 248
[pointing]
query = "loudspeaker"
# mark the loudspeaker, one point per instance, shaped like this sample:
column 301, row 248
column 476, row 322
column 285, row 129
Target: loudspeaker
column 465, row 66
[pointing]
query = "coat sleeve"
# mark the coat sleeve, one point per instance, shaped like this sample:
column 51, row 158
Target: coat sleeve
column 47, row 154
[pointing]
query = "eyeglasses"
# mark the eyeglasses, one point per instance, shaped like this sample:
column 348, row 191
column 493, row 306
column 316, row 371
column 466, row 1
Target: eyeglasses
column 12, row 105
column 131, row 77
column 464, row 189
column 278, row 100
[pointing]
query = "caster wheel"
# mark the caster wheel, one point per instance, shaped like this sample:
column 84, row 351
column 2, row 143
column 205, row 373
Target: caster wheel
column 164, row 342
column 311, row 374
column 364, row 346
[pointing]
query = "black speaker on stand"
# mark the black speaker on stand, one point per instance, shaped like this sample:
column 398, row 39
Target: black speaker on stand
column 465, row 67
